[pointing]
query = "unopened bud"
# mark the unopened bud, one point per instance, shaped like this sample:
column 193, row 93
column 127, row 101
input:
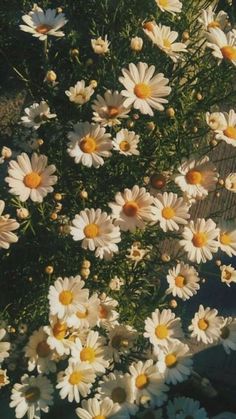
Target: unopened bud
column 51, row 76
column 170, row 112
column 85, row 273
column 49, row 269
column 74, row 52
column 58, row 196
column 86, row 263
column 93, row 83
column 173, row 303
column 53, row 216
column 185, row 36
column 6, row 152
column 136, row 44
column 22, row 213
column 165, row 257
column 83, row 194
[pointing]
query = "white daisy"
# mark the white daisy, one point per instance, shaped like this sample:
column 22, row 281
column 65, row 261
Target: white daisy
column 216, row 121
column 183, row 281
column 89, row 144
column 7, row 226
column 97, row 232
column 109, row 109
column 170, row 211
column 92, row 408
column 41, row 24
column 108, row 316
column 144, row 90
column 93, row 351
column 121, row 339
column 148, row 383
column 210, row 19
column 88, row 316
column 39, row 353
column 174, row 362
column 4, row 346
column 164, row 38
column 132, row 209
column 206, row 325
column 126, row 143
column 58, row 333
column 223, row 45
column 118, row 388
column 184, row 407
column 163, row 327
column 228, row 334
column 100, row 46
column 228, row 274
column 227, row 240
column 230, row 182
column 4, row 379
column 200, row 240
column 31, row 178
column 171, row 6
column 227, row 132
column 37, row 115
column 197, row 177
column 80, row 94
column 31, row 396
column 76, row 381
column 136, row 253
column 66, row 296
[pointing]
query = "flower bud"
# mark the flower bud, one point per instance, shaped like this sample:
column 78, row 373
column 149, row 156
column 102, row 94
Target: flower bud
column 83, row 194
column 165, row 257
column 158, row 181
column 93, row 83
column 49, row 269
column 51, row 76
column 85, row 273
column 149, row 26
column 58, row 196
column 22, row 213
column 74, row 52
column 136, row 44
column 86, row 263
column 173, row 303
column 170, row 112
column 6, row 152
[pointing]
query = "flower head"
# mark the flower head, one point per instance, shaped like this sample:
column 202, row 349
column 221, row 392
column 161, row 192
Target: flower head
column 37, row 115
column 206, row 325
column 80, row 94
column 7, row 226
column 100, row 46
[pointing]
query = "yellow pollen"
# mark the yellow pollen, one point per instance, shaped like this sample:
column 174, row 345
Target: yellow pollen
column 75, row 378
column 59, row 330
column 43, row 29
column 112, row 111
column 82, row 315
column 103, row 312
column 166, row 43
column 118, row 395
column 170, row 360
column 2, row 379
column 124, row 145
column 87, row 354
column 88, row 145
column 148, row 26
column 227, row 275
column 99, row 417
column 163, row 3
column 168, row 213
column 142, row 90
column 43, row 349
column 141, row 381
column 203, row 324
column 199, row 239
column 194, row 177
column 32, row 394
column 180, row 281
column 66, row 297
column 225, row 238
column 229, row 52
column 213, row 24
column 230, row 132
column 91, row 231
column 32, row 180
column 130, row 208
column 136, row 253
column 161, row 331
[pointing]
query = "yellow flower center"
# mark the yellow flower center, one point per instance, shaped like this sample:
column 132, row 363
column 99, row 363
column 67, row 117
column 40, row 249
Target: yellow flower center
column 161, row 331
column 199, row 239
column 75, row 378
column 142, row 90
column 225, row 332
column 130, row 208
column 230, row 132
column 99, row 417
column 32, row 180
column 194, row 177
column 91, row 231
column 32, row 394
column 124, row 145
column 168, row 213
column 136, row 253
column 112, row 111
column 87, row 354
column 103, row 312
column 59, row 330
column 82, row 315
column 88, row 145
column 166, row 43
column 229, row 52
column 225, row 238
column 141, row 381
column 118, row 395
column 163, row 3
column 227, row 275
column 2, row 379
column 203, row 324
column 180, row 281
column 148, row 26
column 213, row 24
column 170, row 360
column 66, row 297
column 43, row 29
column 43, row 349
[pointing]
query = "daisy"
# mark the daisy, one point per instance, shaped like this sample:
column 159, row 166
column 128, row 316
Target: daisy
column 117, row 387
column 209, row 19
column 136, row 254
column 7, row 226
column 171, row 6
column 163, row 327
column 100, row 46
column 228, row 274
column 230, row 182
column 174, row 362
column 93, row 351
column 4, row 379
column 132, row 209
column 32, row 395
column 66, row 296
column 148, row 383
column 37, row 115
column 88, row 316
column 77, row 380
column 227, row 239
column 170, row 211
column 216, row 121
column 57, row 336
column 206, row 325
column 126, row 142
column 107, row 314
column 92, row 408
column 223, row 45
column 39, row 353
column 200, row 240
column 4, row 346
column 197, row 177
column 41, row 24
column 144, row 90
column 80, row 94
column 164, row 38
column 183, row 407
column 97, row 232
column 227, row 132
column 121, row 340
column 109, row 109
column 183, row 281
column 228, row 335
column 89, row 144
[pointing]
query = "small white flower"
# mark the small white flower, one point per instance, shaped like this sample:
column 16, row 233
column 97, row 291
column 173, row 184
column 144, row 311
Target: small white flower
column 126, row 142
column 209, row 19
column 92, row 408
column 183, row 407
column 206, row 325
column 227, row 130
column 228, row 274
column 4, row 379
column 230, row 182
column 183, row 281
column 100, row 46
column 171, row 211
column 163, row 327
column 108, row 316
column 4, row 346
column 136, row 44
column 227, row 240
column 80, row 94
column 39, row 353
column 171, row 6
column 223, row 45
column 37, row 115
column 116, row 283
column 7, row 226
column 136, row 253
column 164, row 38
column 121, row 340
column 228, row 335
column 109, row 109
column 88, row 316
column 216, row 120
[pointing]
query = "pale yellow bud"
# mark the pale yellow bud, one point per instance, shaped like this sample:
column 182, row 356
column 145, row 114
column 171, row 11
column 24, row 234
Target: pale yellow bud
column 93, row 83
column 58, row 196
column 49, row 269
column 22, row 213
column 136, row 44
column 6, row 152
column 86, row 263
column 85, row 273
column 173, row 303
column 51, row 76
column 170, row 112
column 83, row 194
column 165, row 257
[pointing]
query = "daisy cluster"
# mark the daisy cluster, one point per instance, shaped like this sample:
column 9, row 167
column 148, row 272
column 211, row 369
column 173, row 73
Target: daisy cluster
column 109, row 164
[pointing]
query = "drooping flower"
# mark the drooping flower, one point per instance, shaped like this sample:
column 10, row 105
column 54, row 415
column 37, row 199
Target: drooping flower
column 37, row 115
column 7, row 226
column 210, row 19
column 164, row 38
column 223, row 45
column 39, row 353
